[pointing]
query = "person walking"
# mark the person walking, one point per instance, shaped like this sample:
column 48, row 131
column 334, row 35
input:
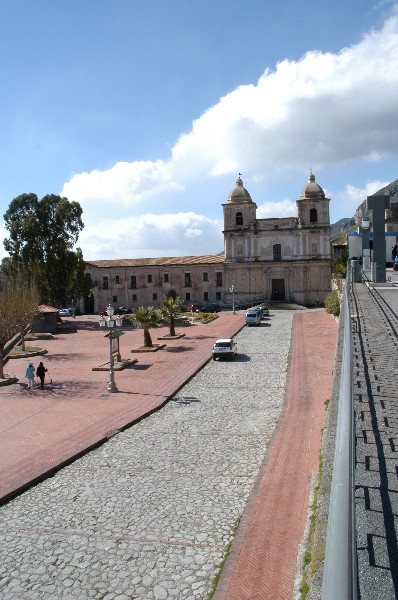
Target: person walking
column 41, row 373
column 30, row 375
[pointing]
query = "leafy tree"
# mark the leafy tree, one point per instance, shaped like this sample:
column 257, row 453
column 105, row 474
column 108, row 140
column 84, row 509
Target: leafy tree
column 18, row 306
column 42, row 235
column 146, row 317
column 170, row 309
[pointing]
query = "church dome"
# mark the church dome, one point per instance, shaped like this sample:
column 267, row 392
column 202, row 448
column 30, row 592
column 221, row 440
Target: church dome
column 312, row 191
column 239, row 193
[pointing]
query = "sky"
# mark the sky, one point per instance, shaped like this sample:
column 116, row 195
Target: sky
column 145, row 112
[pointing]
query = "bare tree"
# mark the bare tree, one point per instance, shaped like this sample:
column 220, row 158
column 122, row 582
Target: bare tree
column 18, row 306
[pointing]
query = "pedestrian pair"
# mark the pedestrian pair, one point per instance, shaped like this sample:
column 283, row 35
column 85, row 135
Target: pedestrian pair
column 40, row 372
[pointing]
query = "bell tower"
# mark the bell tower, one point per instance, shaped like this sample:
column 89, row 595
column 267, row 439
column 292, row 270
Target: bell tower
column 239, row 223
column 313, row 207
column 313, row 222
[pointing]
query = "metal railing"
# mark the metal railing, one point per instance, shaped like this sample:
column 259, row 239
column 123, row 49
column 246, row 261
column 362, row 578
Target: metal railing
column 340, row 569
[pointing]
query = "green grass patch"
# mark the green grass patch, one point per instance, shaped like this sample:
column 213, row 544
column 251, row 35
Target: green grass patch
column 220, row 568
column 310, row 558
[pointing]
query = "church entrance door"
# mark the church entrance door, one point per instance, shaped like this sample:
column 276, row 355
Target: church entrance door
column 278, row 289
column 89, row 303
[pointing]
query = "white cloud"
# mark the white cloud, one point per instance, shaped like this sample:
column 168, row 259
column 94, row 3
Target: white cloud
column 356, row 195
column 285, row 208
column 325, row 109
column 152, row 235
column 126, row 183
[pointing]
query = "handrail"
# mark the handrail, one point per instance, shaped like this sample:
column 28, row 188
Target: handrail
column 340, row 569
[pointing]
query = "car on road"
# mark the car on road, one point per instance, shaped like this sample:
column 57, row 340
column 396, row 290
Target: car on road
column 264, row 309
column 253, row 317
column 69, row 312
column 225, row 348
column 210, row 308
column 192, row 308
column 122, row 310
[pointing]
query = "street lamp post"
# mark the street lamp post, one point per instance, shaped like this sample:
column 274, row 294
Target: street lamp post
column 232, row 290
column 111, row 323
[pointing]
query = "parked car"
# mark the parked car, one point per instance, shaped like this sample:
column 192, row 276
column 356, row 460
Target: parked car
column 122, row 310
column 225, row 348
column 253, row 317
column 192, row 308
column 102, row 311
column 264, row 310
column 210, row 308
column 65, row 312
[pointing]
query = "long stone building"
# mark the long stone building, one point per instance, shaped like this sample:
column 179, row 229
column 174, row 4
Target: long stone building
column 287, row 259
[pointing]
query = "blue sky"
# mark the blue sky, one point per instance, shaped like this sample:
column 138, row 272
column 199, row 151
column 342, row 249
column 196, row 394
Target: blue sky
column 145, row 112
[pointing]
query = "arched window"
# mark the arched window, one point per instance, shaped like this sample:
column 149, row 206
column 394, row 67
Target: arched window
column 239, row 218
column 277, row 249
column 313, row 215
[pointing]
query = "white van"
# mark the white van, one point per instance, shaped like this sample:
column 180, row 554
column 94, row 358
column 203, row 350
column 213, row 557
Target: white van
column 253, row 317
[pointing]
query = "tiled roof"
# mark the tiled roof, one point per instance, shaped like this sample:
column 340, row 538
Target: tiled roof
column 45, row 308
column 212, row 259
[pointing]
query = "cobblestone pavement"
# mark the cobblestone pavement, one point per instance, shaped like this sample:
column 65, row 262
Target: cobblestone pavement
column 39, row 431
column 375, row 387
column 149, row 514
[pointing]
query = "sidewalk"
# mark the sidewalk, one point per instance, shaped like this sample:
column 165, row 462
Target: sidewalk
column 40, row 431
column 262, row 562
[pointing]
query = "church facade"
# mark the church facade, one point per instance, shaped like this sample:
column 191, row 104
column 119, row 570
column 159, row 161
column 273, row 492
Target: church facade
column 281, row 259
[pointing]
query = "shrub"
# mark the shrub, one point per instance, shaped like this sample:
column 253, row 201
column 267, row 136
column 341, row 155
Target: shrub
column 332, row 304
column 339, row 267
column 339, row 264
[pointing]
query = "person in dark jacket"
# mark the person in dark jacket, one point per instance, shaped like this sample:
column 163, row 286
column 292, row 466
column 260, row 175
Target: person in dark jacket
column 41, row 373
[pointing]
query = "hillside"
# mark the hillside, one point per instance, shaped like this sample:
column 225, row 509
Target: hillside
column 342, row 227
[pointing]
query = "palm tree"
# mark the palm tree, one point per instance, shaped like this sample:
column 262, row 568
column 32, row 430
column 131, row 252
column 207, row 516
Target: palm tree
column 170, row 309
column 147, row 317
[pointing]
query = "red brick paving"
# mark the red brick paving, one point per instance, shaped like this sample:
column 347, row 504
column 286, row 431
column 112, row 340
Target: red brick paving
column 262, row 562
column 39, row 431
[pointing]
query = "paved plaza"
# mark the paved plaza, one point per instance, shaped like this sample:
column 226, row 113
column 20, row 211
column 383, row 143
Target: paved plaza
column 40, row 431
column 149, row 514
column 152, row 512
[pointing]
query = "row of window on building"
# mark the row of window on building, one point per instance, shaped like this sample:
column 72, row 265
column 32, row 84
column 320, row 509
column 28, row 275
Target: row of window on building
column 166, row 279
column 156, row 298
column 313, row 217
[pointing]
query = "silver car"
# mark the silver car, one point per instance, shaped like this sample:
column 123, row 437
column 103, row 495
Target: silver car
column 253, row 317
